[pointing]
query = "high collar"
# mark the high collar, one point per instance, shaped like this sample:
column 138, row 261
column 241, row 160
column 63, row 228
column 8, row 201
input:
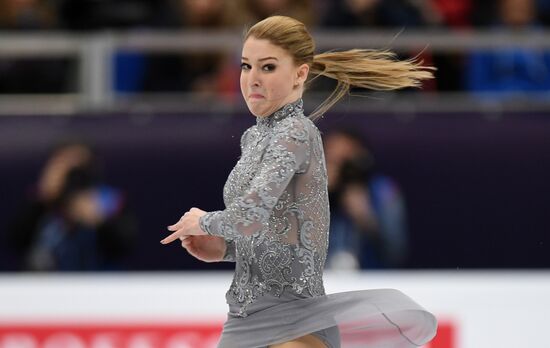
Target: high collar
column 289, row 110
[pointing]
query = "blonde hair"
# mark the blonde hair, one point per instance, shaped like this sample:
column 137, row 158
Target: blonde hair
column 364, row 68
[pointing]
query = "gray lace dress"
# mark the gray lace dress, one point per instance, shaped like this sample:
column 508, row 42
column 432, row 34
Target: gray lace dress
column 275, row 225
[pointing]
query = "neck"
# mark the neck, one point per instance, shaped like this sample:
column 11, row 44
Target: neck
column 294, row 108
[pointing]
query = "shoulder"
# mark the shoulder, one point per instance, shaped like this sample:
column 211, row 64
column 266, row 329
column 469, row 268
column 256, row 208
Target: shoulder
column 247, row 134
column 294, row 128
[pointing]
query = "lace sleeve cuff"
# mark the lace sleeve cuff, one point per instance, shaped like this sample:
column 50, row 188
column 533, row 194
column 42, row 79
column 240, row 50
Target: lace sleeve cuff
column 229, row 251
column 204, row 223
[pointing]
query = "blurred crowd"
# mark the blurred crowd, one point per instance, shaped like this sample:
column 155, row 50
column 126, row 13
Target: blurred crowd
column 131, row 14
column 71, row 219
column 480, row 71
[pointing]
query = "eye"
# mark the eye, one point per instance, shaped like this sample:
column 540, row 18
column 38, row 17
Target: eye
column 269, row 67
column 245, row 66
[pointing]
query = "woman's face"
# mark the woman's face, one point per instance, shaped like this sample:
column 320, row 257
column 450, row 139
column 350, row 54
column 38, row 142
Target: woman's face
column 269, row 77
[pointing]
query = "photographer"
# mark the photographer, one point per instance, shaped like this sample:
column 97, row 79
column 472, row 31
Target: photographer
column 367, row 210
column 72, row 221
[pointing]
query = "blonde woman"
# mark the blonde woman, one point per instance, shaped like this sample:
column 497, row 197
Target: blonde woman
column 275, row 224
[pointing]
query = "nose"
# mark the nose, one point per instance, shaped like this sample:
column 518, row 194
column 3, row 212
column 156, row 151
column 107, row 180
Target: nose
column 254, row 78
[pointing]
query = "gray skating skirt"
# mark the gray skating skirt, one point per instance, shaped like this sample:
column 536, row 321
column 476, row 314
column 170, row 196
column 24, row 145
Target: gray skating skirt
column 367, row 318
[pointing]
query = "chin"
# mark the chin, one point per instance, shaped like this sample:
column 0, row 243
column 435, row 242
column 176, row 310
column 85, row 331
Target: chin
column 254, row 111
column 257, row 110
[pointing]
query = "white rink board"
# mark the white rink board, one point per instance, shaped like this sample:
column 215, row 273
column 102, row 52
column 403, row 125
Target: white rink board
column 487, row 309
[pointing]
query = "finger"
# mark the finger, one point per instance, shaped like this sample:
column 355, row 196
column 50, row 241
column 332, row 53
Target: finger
column 171, row 237
column 178, row 225
column 187, row 244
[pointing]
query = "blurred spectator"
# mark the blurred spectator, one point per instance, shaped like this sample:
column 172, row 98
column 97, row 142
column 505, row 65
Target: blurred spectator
column 455, row 15
column 497, row 73
column 544, row 11
column 374, row 13
column 205, row 73
column 26, row 15
column 483, row 13
column 103, row 14
column 177, row 14
column 367, row 227
column 393, row 14
column 72, row 222
column 37, row 75
column 31, row 75
column 253, row 11
column 463, row 14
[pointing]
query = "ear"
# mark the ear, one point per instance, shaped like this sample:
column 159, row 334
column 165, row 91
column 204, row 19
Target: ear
column 301, row 74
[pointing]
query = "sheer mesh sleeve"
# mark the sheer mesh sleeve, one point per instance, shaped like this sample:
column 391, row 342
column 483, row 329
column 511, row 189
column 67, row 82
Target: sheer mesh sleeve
column 286, row 154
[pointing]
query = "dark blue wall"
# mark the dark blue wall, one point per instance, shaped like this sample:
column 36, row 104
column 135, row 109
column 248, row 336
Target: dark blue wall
column 477, row 190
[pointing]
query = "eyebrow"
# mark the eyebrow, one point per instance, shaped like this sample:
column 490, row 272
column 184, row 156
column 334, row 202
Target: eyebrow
column 261, row 59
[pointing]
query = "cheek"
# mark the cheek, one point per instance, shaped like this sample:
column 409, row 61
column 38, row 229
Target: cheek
column 243, row 83
column 279, row 86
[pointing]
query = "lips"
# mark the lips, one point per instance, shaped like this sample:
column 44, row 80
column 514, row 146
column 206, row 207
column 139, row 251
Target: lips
column 255, row 96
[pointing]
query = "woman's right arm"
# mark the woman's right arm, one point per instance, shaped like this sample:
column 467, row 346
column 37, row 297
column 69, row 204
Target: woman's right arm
column 209, row 248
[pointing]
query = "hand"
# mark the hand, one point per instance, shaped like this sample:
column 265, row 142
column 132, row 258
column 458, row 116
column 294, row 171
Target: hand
column 188, row 225
column 205, row 248
column 357, row 204
column 55, row 172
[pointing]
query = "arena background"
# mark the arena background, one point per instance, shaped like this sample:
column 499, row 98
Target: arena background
column 472, row 160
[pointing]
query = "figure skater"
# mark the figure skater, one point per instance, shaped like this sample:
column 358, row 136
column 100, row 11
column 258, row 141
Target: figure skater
column 276, row 221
